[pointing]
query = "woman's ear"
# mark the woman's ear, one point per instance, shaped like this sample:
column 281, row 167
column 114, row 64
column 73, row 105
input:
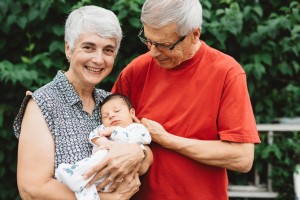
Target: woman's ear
column 67, row 51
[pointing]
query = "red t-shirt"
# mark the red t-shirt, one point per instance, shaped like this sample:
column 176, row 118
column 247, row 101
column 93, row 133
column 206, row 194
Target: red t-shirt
column 204, row 98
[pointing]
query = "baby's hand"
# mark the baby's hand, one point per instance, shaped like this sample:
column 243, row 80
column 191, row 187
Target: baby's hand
column 106, row 132
column 103, row 143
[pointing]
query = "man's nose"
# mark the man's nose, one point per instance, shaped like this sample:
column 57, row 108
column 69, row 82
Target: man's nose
column 154, row 51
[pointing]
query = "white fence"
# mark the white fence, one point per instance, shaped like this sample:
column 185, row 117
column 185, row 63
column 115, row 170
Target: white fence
column 258, row 189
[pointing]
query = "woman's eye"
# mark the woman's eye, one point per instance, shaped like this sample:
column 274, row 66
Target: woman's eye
column 109, row 51
column 88, row 48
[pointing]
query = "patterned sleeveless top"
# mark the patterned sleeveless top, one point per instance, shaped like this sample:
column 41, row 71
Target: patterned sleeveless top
column 63, row 111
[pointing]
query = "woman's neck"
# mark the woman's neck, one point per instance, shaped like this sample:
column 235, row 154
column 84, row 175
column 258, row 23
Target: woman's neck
column 84, row 92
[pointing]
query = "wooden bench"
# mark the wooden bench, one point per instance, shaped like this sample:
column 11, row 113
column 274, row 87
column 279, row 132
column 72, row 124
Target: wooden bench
column 258, row 189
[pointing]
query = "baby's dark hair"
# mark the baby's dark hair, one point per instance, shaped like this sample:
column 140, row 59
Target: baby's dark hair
column 115, row 96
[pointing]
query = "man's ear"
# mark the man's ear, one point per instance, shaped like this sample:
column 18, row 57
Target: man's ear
column 196, row 35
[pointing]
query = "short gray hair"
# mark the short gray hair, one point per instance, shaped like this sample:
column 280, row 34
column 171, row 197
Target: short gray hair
column 185, row 14
column 92, row 19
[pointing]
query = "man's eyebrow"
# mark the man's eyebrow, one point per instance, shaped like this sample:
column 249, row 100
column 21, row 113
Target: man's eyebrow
column 160, row 43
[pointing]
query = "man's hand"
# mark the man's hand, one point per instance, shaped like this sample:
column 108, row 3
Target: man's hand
column 157, row 131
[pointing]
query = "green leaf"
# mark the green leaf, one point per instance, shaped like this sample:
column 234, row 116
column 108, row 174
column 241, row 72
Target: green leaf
column 296, row 66
column 135, row 22
column 284, row 68
column 122, row 14
column 22, row 21
column 58, row 30
column 47, row 62
column 258, row 10
column 56, row 46
column 11, row 19
column 3, row 9
column 134, row 7
column 33, row 14
column 30, row 47
column 25, row 59
column 266, row 58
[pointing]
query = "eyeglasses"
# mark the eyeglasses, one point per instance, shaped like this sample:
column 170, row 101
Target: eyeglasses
column 159, row 46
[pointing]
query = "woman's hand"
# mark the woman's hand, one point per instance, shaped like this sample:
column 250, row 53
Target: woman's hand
column 129, row 186
column 28, row 93
column 122, row 159
column 126, row 189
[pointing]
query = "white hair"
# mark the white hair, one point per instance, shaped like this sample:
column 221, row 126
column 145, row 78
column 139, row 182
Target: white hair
column 185, row 14
column 92, row 19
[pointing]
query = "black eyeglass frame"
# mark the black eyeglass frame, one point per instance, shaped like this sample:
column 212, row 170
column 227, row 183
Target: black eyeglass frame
column 158, row 45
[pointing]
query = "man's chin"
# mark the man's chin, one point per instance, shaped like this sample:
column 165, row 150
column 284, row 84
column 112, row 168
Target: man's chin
column 165, row 64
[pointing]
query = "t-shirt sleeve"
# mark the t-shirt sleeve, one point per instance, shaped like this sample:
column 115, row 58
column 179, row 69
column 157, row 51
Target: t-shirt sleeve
column 236, row 122
column 122, row 84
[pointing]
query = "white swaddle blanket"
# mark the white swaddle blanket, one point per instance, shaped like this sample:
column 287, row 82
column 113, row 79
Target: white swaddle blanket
column 72, row 174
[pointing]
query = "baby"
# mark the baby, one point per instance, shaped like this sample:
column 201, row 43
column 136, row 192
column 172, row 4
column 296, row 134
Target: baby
column 117, row 117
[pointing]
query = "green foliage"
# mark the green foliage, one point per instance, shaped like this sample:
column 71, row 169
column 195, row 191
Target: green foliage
column 283, row 154
column 263, row 36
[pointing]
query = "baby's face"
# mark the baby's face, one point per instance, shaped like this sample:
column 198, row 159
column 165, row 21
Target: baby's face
column 116, row 113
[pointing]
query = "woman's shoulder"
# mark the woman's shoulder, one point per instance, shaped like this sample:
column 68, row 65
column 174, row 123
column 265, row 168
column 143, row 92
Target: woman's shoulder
column 46, row 94
column 100, row 94
column 46, row 90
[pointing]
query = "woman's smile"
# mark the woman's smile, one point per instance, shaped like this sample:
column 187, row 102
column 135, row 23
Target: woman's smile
column 93, row 69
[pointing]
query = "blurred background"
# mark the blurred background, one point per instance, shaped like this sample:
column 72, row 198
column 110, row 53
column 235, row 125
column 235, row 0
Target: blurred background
column 263, row 36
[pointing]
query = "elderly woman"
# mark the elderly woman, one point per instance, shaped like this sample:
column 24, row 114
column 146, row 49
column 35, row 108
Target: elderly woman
column 53, row 126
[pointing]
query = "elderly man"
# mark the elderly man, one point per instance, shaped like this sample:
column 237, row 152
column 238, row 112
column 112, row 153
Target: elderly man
column 194, row 101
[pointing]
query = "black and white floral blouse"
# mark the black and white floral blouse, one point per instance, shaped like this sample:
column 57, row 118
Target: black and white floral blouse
column 63, row 111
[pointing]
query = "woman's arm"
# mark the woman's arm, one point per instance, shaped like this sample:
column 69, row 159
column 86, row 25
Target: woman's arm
column 35, row 167
column 147, row 162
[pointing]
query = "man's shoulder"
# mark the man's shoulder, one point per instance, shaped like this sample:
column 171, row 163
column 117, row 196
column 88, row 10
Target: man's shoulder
column 142, row 60
column 221, row 60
